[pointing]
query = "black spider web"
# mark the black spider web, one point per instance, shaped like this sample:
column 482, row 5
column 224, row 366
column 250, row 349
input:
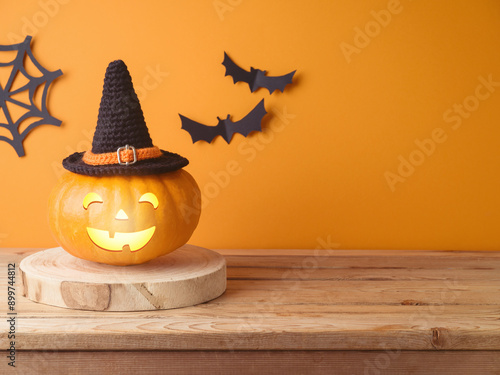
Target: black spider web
column 32, row 110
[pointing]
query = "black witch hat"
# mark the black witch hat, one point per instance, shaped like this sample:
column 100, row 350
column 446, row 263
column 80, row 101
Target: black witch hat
column 122, row 144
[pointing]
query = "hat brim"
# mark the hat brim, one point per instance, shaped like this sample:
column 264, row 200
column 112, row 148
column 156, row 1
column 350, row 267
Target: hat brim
column 168, row 162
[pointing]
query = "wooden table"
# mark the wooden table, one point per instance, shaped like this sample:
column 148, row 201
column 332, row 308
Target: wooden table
column 285, row 312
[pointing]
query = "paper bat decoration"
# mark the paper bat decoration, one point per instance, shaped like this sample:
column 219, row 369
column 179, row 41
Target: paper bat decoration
column 256, row 78
column 225, row 127
column 31, row 110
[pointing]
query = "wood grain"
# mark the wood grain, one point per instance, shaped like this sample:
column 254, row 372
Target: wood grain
column 430, row 306
column 186, row 277
column 259, row 362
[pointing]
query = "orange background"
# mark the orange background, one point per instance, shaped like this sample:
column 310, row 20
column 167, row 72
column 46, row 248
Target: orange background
column 335, row 172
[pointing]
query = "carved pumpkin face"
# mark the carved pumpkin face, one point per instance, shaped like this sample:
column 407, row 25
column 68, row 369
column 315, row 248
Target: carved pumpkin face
column 123, row 220
column 118, row 242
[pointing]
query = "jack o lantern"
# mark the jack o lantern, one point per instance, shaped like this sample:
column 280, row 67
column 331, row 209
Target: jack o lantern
column 125, row 201
column 124, row 220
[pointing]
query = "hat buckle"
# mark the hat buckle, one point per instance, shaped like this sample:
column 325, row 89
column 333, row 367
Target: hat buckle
column 126, row 148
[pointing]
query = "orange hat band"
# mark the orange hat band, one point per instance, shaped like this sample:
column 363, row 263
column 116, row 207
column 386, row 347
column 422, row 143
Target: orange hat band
column 124, row 155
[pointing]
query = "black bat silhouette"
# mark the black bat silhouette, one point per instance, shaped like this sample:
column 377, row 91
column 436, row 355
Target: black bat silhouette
column 255, row 77
column 225, row 127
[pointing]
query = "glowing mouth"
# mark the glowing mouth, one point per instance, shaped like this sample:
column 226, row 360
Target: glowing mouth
column 135, row 240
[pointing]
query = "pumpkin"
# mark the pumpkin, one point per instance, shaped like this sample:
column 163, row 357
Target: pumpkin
column 124, row 220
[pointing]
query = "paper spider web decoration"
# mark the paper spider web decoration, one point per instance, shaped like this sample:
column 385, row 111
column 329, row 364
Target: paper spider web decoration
column 31, row 109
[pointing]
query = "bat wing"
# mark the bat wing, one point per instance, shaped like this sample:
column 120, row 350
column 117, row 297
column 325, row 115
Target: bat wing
column 238, row 74
column 251, row 122
column 273, row 83
column 200, row 132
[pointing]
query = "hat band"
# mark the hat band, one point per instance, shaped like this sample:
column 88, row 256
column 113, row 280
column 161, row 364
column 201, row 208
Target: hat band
column 123, row 155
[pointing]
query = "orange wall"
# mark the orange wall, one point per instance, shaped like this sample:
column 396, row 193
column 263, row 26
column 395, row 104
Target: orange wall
column 336, row 171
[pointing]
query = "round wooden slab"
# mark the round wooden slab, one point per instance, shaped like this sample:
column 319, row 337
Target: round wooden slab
column 188, row 276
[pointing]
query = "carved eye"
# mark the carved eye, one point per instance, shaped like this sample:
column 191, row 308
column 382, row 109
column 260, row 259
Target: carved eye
column 91, row 198
column 149, row 198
